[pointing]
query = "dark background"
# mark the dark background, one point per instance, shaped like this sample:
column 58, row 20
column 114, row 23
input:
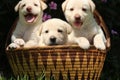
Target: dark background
column 110, row 12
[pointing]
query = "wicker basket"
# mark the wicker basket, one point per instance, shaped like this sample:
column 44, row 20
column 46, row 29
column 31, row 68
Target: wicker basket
column 62, row 62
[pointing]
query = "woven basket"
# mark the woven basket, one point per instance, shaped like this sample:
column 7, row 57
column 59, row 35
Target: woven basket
column 63, row 62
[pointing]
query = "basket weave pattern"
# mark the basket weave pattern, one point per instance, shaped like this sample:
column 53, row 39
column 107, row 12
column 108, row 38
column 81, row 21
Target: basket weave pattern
column 71, row 61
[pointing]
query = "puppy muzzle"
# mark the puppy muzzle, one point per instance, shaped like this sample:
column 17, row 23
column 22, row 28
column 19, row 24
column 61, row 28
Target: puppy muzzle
column 52, row 40
column 77, row 21
column 29, row 9
column 30, row 17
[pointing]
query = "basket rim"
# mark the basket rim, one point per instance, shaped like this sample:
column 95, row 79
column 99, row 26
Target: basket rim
column 55, row 48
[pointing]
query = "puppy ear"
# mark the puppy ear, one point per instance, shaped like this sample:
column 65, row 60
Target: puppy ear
column 17, row 6
column 92, row 5
column 39, row 31
column 43, row 5
column 64, row 5
column 68, row 27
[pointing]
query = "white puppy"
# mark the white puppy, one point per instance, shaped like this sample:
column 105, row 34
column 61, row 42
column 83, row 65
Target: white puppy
column 79, row 13
column 30, row 17
column 54, row 32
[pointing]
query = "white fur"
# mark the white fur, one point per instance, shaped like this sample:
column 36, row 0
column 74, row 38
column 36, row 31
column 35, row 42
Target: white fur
column 79, row 13
column 27, row 26
column 54, row 28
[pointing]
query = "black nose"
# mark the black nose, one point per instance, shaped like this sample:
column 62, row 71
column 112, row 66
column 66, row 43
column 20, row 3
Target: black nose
column 52, row 39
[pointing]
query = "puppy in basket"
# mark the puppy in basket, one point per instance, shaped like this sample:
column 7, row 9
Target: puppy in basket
column 54, row 32
column 30, row 17
column 86, row 31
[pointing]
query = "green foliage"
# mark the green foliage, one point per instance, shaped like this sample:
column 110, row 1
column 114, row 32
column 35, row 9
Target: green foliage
column 2, row 78
column 42, row 76
column 25, row 77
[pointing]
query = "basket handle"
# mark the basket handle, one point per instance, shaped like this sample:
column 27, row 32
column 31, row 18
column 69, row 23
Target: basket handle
column 104, row 27
column 10, row 33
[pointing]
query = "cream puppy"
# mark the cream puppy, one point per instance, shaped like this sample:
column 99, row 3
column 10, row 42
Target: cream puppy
column 54, row 32
column 79, row 13
column 30, row 17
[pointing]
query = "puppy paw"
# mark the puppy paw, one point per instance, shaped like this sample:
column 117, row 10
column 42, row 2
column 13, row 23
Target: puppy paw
column 30, row 44
column 99, row 43
column 13, row 46
column 20, row 42
column 83, row 43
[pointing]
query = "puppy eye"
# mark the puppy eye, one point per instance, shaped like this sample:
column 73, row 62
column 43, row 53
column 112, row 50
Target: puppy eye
column 23, row 5
column 84, row 9
column 46, row 31
column 35, row 4
column 71, row 9
column 60, row 31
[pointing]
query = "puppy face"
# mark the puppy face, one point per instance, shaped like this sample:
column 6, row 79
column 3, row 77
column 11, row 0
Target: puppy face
column 54, row 32
column 78, row 11
column 30, row 10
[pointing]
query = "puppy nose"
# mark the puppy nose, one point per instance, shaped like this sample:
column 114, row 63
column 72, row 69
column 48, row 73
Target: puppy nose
column 53, row 39
column 77, row 17
column 29, row 9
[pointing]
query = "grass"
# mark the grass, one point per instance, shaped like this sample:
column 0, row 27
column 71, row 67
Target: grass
column 25, row 77
column 18, row 78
